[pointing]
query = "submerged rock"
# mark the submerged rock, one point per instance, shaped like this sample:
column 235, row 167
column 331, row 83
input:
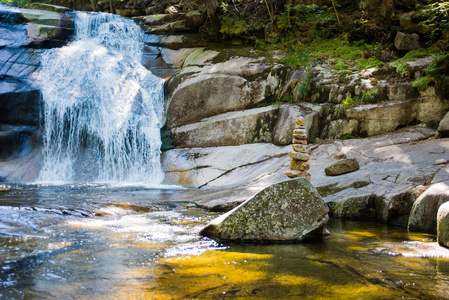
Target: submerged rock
column 284, row 212
column 423, row 216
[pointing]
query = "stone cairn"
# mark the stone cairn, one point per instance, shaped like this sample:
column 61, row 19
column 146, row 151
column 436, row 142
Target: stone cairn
column 299, row 164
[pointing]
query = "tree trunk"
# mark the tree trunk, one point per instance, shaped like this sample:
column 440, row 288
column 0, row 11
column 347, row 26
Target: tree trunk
column 111, row 7
column 94, row 5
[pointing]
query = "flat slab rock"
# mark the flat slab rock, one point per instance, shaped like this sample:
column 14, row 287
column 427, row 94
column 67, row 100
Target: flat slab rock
column 342, row 167
column 284, row 212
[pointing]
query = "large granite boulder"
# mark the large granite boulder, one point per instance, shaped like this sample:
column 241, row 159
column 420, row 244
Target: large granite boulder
column 199, row 92
column 284, row 212
column 229, row 129
column 423, row 216
column 443, row 225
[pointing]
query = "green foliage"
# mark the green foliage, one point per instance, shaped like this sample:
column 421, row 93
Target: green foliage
column 303, row 59
column 401, row 68
column 420, row 52
column 435, row 16
column 233, row 26
column 305, row 87
column 344, row 51
column 423, row 83
column 372, row 62
column 400, row 64
column 348, row 136
column 366, row 97
column 340, row 65
column 434, row 73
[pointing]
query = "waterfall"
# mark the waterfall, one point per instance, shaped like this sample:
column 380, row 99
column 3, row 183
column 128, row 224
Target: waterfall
column 102, row 108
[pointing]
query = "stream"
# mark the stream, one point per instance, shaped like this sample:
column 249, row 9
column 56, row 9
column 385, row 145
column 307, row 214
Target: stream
column 79, row 232
column 92, row 241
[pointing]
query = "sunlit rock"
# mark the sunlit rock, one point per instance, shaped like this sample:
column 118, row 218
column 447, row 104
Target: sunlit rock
column 342, row 167
column 198, row 92
column 288, row 211
column 229, row 129
column 423, row 216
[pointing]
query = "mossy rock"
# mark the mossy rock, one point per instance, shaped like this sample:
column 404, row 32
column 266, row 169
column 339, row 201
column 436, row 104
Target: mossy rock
column 284, row 212
column 361, row 207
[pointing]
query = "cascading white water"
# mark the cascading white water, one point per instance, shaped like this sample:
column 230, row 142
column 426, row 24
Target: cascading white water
column 102, row 108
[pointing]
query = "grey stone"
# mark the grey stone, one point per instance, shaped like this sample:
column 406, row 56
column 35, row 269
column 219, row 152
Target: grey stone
column 418, row 65
column 159, row 19
column 353, row 207
column 423, row 216
column 283, row 132
column 384, row 117
column 443, row 128
column 342, row 167
column 198, row 92
column 406, row 41
column 288, row 211
column 224, row 166
column 20, row 103
column 229, row 129
column 409, row 21
column 194, row 19
column 443, row 224
column 50, row 7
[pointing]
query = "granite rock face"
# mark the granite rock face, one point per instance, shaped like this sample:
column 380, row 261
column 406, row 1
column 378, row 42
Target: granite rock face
column 287, row 211
column 228, row 129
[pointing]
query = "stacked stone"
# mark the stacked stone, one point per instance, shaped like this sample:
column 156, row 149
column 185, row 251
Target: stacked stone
column 299, row 164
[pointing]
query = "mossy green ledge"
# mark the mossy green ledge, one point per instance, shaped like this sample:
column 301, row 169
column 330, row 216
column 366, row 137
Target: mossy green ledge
column 289, row 211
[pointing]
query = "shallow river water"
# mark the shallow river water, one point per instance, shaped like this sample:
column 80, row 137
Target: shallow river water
column 125, row 242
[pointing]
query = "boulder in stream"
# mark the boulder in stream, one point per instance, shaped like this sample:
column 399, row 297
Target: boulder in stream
column 423, row 216
column 443, row 225
column 289, row 211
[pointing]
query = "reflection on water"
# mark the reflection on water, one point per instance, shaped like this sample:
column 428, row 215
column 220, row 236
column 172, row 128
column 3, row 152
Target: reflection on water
column 100, row 241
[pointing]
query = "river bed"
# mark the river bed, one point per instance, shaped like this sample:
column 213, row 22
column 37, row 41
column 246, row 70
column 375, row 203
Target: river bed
column 126, row 242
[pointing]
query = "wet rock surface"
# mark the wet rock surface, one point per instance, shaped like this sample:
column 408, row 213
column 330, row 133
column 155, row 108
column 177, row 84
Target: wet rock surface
column 395, row 169
column 287, row 211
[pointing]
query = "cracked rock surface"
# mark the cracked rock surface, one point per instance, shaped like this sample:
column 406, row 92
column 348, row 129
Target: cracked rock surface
column 395, row 168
